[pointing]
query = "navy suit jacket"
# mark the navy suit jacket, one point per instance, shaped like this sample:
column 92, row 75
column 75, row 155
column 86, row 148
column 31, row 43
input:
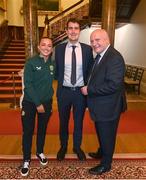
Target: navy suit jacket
column 87, row 60
column 106, row 94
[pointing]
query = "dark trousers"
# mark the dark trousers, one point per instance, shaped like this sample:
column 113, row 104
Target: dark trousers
column 106, row 132
column 71, row 100
column 28, row 115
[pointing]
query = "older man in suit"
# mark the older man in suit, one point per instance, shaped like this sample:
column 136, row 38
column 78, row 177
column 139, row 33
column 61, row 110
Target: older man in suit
column 106, row 97
column 73, row 61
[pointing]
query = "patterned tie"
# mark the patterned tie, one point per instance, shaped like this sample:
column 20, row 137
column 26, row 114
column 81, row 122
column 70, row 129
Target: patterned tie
column 73, row 66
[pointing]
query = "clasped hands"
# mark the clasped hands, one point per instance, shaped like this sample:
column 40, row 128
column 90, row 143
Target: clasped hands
column 84, row 90
column 40, row 108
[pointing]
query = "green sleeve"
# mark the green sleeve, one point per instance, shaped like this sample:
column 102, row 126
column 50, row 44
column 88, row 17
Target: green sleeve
column 28, row 84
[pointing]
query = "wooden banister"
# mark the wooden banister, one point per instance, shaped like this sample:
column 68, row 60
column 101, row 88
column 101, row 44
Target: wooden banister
column 66, row 10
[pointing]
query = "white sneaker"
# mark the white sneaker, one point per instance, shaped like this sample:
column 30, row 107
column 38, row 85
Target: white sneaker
column 43, row 160
column 25, row 168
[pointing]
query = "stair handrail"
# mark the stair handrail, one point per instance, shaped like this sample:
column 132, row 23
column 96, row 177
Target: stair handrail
column 66, row 10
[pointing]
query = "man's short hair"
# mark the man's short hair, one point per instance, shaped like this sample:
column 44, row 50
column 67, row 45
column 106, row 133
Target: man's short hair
column 73, row 20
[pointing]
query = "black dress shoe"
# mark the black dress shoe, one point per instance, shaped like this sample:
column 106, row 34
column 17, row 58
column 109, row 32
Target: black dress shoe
column 98, row 170
column 80, row 153
column 95, row 155
column 61, row 153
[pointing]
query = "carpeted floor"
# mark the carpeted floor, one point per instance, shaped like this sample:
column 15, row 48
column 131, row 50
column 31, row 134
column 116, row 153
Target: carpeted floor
column 132, row 121
column 74, row 169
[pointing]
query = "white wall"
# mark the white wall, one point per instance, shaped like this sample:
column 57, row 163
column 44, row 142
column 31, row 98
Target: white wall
column 130, row 40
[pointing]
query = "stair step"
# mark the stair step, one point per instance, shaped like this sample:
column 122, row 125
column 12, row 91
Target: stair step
column 8, row 74
column 10, row 91
column 17, row 41
column 10, row 64
column 7, row 70
column 10, row 88
column 10, row 98
column 12, row 52
column 7, row 65
column 13, row 55
column 14, row 48
column 7, row 83
column 6, row 77
column 5, row 59
column 3, row 96
column 12, row 60
column 16, row 81
column 17, row 45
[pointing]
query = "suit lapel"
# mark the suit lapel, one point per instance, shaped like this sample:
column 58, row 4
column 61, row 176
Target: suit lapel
column 83, row 49
column 62, row 57
column 102, row 62
column 104, row 58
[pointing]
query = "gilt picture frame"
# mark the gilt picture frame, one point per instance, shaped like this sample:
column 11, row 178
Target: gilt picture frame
column 49, row 7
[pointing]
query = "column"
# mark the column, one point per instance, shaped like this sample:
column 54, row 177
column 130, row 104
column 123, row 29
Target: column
column 30, row 27
column 109, row 17
column 46, row 32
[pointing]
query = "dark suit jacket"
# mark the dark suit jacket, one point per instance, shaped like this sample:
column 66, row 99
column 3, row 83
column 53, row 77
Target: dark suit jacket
column 87, row 57
column 106, row 95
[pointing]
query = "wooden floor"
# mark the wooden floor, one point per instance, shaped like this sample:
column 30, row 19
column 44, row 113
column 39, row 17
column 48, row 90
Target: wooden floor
column 126, row 143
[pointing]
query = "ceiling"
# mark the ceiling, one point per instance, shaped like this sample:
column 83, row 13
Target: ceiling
column 125, row 9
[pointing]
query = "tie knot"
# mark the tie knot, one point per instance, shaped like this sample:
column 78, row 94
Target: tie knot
column 97, row 57
column 73, row 47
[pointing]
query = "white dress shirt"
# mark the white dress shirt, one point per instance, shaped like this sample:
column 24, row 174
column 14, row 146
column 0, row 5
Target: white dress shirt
column 68, row 62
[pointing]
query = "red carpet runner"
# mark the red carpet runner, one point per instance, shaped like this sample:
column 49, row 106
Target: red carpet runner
column 131, row 122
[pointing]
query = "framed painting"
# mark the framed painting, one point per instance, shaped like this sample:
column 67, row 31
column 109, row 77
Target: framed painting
column 50, row 7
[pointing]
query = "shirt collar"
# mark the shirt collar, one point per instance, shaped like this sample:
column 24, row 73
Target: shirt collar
column 102, row 53
column 70, row 45
column 41, row 56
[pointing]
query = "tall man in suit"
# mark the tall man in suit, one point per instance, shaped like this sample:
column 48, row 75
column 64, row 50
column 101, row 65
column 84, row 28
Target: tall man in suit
column 105, row 97
column 69, row 94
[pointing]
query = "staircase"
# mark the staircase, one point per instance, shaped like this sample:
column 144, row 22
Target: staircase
column 12, row 59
